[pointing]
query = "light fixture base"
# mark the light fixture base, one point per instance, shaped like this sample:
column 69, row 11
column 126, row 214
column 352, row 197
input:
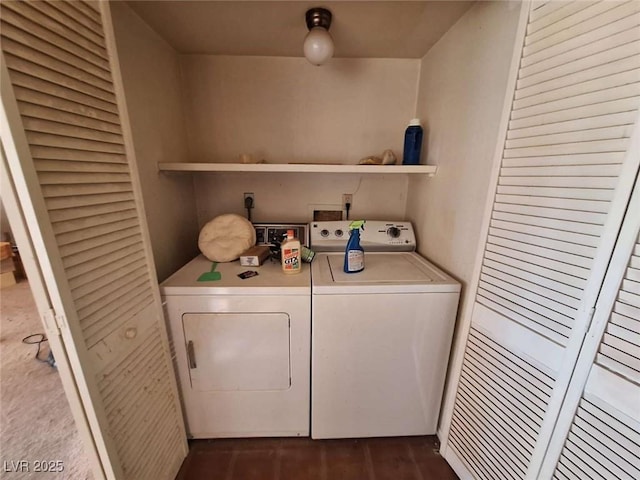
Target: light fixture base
column 318, row 17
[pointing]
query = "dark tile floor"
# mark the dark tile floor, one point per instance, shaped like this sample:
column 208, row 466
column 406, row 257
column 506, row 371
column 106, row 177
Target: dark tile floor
column 398, row 458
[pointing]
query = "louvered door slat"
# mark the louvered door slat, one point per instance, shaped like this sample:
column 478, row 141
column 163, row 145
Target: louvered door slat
column 590, row 80
column 610, row 429
column 523, row 256
column 59, row 115
column 576, row 216
column 90, row 245
column 577, row 113
column 565, row 105
column 535, row 303
column 586, row 20
column 504, row 305
column 95, row 265
column 64, row 59
column 581, row 53
column 29, row 11
column 536, row 382
column 90, row 223
column 57, row 141
column 96, row 305
column 54, row 153
column 581, row 255
column 547, row 249
column 66, row 102
column 61, row 80
column 565, row 202
column 632, row 289
column 64, row 129
column 563, row 10
column 630, row 336
column 580, row 125
column 618, row 454
column 549, row 223
column 83, row 79
column 113, row 272
column 588, row 135
column 562, row 181
column 598, row 458
column 559, row 182
column 558, row 301
column 86, row 8
column 542, row 8
column 11, row 18
column 627, row 323
column 552, row 193
column 79, row 18
column 522, row 272
column 559, row 280
column 572, row 464
column 512, row 465
column 598, row 33
column 100, row 248
column 85, row 211
column 96, row 302
column 34, row 90
column 63, row 17
column 492, row 392
column 69, row 240
column 574, row 147
column 582, row 244
column 481, row 465
column 628, row 296
column 103, row 325
column 46, row 165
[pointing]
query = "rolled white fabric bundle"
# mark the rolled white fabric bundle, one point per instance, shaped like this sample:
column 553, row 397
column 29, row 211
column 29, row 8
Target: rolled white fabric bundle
column 225, row 237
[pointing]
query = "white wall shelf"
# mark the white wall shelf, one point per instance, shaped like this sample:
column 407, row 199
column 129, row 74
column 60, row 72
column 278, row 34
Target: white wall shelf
column 428, row 170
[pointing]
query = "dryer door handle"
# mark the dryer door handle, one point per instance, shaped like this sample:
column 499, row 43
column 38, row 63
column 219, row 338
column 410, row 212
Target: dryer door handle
column 191, row 354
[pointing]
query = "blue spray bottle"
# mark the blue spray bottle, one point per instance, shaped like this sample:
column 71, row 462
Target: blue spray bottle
column 354, row 253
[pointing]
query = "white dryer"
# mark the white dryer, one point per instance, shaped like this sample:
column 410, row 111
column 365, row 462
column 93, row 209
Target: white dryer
column 381, row 337
column 241, row 349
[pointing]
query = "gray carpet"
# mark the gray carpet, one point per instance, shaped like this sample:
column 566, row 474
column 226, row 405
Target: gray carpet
column 35, row 419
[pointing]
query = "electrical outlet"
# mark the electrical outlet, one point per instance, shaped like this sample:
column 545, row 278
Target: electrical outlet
column 347, row 198
column 249, row 195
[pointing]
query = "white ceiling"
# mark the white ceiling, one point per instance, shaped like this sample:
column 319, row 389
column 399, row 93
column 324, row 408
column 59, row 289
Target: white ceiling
column 376, row 29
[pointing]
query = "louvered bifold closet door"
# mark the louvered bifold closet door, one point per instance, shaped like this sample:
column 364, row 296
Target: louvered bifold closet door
column 564, row 179
column 598, row 437
column 58, row 61
column 604, row 439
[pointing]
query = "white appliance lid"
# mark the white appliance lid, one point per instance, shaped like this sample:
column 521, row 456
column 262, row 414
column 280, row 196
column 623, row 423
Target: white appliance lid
column 402, row 272
column 269, row 281
column 381, row 268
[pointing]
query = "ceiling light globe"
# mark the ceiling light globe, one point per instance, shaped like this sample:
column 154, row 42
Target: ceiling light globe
column 318, row 46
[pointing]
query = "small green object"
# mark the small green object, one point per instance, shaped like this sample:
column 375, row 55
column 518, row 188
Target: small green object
column 357, row 224
column 212, row 275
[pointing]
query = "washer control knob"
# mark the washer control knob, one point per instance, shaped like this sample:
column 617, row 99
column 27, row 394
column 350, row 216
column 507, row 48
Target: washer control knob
column 339, row 233
column 393, row 232
column 324, row 232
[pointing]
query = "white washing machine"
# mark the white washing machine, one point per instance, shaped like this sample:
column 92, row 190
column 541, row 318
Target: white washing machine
column 381, row 337
column 241, row 349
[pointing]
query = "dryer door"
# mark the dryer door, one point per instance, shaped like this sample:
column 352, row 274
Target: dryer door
column 238, row 351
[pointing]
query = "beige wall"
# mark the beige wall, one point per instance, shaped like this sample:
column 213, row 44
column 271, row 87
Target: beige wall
column 286, row 110
column 151, row 76
column 293, row 196
column 460, row 100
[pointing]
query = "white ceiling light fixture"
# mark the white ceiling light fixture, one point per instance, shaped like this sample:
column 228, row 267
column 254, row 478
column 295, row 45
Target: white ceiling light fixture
column 318, row 45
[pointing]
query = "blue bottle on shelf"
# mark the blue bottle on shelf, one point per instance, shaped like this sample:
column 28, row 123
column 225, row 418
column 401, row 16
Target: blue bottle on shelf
column 412, row 143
